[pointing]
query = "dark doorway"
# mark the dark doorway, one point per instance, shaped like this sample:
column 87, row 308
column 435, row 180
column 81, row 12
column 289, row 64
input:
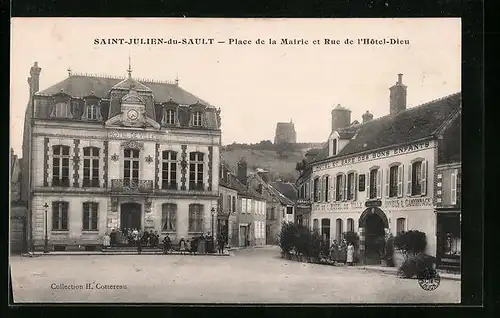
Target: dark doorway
column 375, row 239
column 223, row 227
column 130, row 216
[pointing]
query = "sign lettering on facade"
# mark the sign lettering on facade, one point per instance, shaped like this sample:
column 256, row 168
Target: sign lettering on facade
column 360, row 205
column 132, row 135
column 373, row 156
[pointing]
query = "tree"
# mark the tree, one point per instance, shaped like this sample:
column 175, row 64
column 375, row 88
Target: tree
column 301, row 166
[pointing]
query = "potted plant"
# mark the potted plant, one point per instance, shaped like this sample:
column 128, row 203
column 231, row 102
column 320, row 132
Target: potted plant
column 412, row 245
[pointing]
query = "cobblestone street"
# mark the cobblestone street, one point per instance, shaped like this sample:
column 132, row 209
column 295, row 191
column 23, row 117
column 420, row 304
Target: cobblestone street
column 249, row 276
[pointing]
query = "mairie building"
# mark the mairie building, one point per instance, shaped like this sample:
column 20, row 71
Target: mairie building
column 378, row 176
column 104, row 153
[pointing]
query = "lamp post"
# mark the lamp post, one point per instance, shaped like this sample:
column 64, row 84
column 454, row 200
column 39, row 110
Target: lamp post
column 213, row 216
column 46, row 247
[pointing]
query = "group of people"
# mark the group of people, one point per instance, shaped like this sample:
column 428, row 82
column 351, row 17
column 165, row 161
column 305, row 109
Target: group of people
column 132, row 237
column 338, row 252
column 203, row 244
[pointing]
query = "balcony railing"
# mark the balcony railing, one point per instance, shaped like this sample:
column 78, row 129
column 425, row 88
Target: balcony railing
column 131, row 186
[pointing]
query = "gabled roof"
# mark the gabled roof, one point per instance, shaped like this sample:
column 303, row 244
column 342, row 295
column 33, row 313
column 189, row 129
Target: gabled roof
column 287, row 189
column 410, row 125
column 275, row 192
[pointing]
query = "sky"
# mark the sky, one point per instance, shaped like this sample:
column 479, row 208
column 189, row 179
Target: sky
column 256, row 86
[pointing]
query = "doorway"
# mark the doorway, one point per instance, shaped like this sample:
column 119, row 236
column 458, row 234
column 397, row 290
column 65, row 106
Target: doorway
column 375, row 239
column 243, row 235
column 223, row 227
column 130, row 216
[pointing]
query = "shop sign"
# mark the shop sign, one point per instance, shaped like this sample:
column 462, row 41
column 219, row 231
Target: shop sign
column 408, row 202
column 373, row 204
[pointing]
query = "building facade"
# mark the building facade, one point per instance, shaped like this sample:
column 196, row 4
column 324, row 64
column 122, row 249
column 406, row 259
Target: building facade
column 227, row 221
column 113, row 153
column 377, row 177
column 18, row 213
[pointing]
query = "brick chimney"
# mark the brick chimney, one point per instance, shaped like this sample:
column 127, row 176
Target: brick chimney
column 242, row 170
column 367, row 117
column 34, row 79
column 397, row 100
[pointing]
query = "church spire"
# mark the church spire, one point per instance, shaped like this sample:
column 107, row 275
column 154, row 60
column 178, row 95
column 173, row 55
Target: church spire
column 129, row 70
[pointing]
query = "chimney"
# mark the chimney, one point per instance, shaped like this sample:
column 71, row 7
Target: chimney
column 34, row 79
column 367, row 117
column 242, row 170
column 341, row 118
column 397, row 100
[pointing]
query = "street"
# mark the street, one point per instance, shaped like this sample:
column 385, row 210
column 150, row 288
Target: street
column 256, row 275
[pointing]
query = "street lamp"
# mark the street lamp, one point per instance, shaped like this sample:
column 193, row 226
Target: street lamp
column 46, row 247
column 213, row 216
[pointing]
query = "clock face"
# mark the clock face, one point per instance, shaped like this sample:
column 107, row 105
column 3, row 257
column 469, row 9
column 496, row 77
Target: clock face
column 132, row 114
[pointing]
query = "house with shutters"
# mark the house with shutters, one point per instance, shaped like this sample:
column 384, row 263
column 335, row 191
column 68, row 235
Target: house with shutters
column 104, row 153
column 377, row 177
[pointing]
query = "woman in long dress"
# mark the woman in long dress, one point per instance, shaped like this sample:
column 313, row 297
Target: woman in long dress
column 350, row 254
column 106, row 240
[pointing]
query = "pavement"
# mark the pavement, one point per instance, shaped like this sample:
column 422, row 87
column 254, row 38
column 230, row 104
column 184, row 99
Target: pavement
column 249, row 276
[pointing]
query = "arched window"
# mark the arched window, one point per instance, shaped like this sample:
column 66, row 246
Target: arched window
column 400, row 225
column 91, row 167
column 169, row 217
column 338, row 227
column 417, row 178
column 315, row 224
column 350, row 225
column 340, row 186
column 169, row 170
column 196, row 171
column 334, row 147
column 131, row 167
column 60, row 166
column 92, row 112
column 196, row 218
column 375, row 188
column 317, row 185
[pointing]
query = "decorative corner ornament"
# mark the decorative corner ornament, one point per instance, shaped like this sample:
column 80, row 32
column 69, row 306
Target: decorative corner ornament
column 149, row 159
column 114, row 157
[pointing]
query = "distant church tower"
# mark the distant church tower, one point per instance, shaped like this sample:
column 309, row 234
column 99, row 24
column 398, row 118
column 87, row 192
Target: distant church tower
column 285, row 133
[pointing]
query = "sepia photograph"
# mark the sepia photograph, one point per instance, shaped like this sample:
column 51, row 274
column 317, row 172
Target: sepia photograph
column 235, row 161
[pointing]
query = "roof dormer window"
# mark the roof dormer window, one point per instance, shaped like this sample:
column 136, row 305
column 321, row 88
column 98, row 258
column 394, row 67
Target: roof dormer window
column 62, row 110
column 92, row 112
column 197, row 119
column 169, row 117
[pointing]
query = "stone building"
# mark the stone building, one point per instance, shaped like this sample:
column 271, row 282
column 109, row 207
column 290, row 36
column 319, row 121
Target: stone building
column 109, row 153
column 228, row 211
column 18, row 212
column 285, row 133
column 377, row 177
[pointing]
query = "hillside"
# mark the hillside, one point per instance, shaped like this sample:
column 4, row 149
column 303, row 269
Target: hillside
column 279, row 161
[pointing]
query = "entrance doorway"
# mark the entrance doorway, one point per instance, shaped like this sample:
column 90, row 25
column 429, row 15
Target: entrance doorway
column 243, row 235
column 130, row 216
column 375, row 239
column 223, row 227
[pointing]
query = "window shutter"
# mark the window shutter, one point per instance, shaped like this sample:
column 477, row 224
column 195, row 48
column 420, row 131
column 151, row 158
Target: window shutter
column 367, row 185
column 64, row 218
column 311, row 189
column 423, row 188
column 387, row 179
column 408, row 182
column 323, row 193
column 400, row 180
column 379, row 183
column 454, row 187
column 344, row 186
column 334, row 189
column 354, row 186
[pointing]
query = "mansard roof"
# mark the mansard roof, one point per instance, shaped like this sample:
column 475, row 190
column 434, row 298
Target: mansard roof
column 83, row 85
column 410, row 125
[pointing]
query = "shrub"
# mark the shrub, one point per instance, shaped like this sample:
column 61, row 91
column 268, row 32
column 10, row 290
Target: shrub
column 417, row 265
column 300, row 239
column 287, row 237
column 352, row 237
column 411, row 242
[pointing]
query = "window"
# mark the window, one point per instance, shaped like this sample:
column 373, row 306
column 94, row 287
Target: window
column 234, row 204
column 325, row 229
column 221, row 202
column 60, row 166
column 169, row 117
column 91, row 167
column 350, row 225
column 306, row 194
column 60, row 216
column 229, row 203
column 351, row 186
column 196, row 171
column 338, row 228
column 316, row 190
column 326, row 188
column 334, row 147
column 339, row 185
column 131, row 167
column 90, row 216
column 394, row 181
column 62, row 110
column 169, row 217
column 169, row 170
column 289, row 210
column 453, row 187
column 316, row 225
column 92, row 112
column 361, row 182
column 400, row 225
column 417, row 178
column 197, row 116
column 374, row 188
column 272, row 214
column 196, row 218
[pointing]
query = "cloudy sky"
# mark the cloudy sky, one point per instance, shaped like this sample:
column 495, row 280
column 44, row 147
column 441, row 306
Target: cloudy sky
column 255, row 85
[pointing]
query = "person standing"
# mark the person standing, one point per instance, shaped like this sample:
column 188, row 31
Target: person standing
column 182, row 246
column 112, row 238
column 166, row 244
column 350, row 254
column 106, row 240
column 221, row 241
